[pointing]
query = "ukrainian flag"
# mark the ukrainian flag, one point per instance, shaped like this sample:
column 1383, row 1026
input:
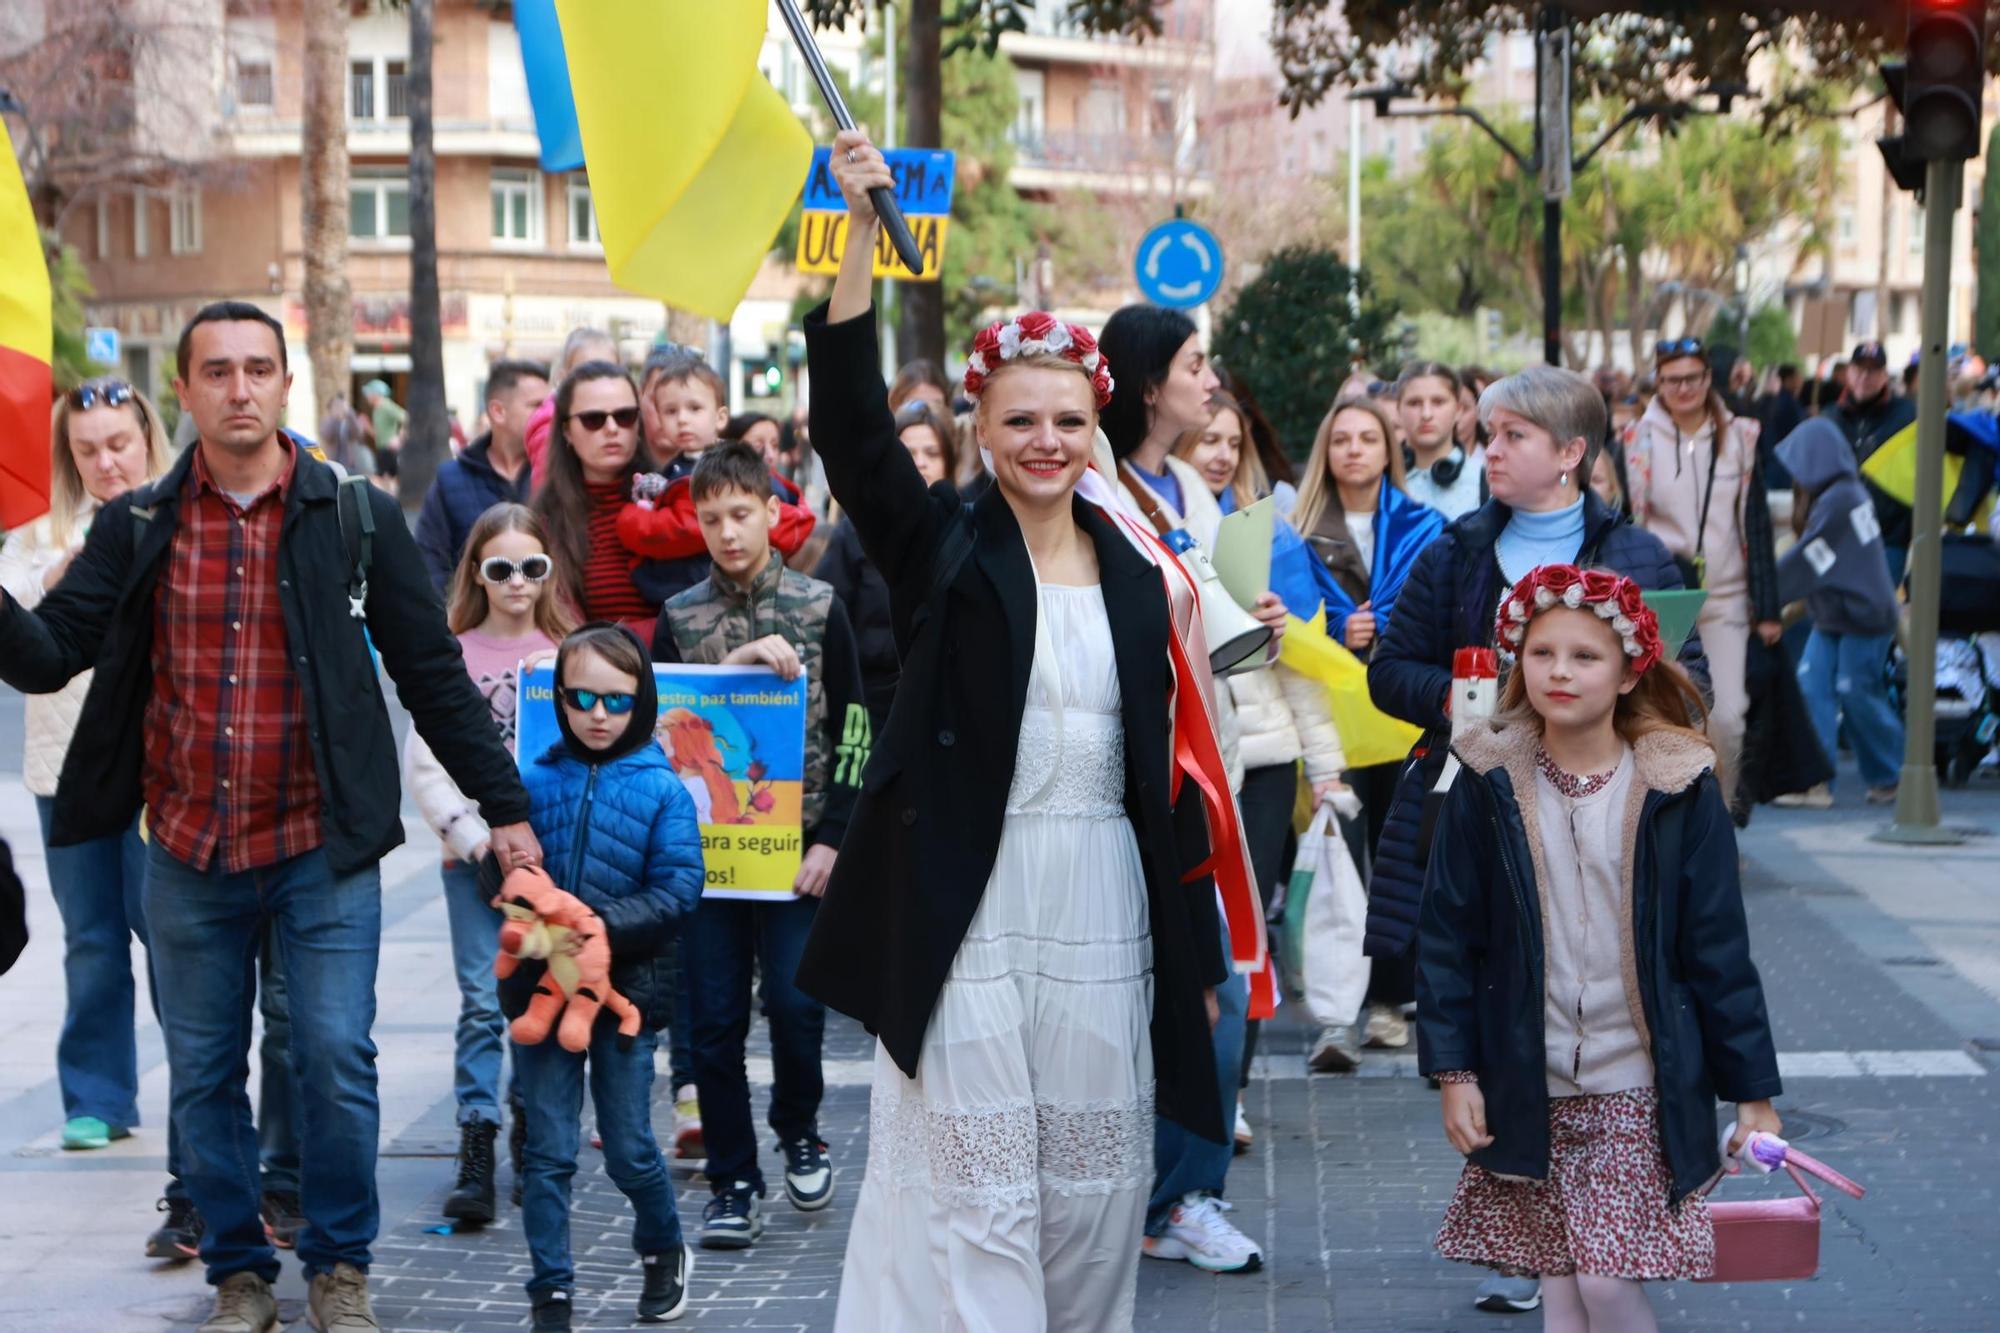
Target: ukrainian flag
column 694, row 158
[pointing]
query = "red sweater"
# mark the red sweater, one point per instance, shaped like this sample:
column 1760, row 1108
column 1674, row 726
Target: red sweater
column 670, row 529
column 608, row 593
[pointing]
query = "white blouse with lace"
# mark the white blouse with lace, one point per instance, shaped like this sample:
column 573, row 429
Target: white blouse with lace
column 1007, row 1183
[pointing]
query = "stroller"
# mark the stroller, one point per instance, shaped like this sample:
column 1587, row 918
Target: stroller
column 1968, row 658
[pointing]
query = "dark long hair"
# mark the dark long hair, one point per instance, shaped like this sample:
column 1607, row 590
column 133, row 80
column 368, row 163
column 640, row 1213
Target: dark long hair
column 562, row 502
column 1140, row 342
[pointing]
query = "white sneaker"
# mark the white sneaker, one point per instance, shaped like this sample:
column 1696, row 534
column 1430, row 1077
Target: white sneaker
column 1244, row 1135
column 1336, row 1051
column 1819, row 797
column 1387, row 1029
column 1199, row 1234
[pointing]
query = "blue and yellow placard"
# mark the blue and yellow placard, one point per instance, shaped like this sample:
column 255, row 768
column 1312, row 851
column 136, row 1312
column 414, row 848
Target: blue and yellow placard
column 737, row 739
column 925, row 180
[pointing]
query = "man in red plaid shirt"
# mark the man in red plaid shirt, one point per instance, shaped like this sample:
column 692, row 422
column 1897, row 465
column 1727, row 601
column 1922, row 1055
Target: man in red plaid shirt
column 237, row 699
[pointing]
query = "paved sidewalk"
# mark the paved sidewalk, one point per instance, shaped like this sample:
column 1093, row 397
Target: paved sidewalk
column 1882, row 963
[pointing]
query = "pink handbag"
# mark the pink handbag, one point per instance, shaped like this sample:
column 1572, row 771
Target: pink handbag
column 1774, row 1240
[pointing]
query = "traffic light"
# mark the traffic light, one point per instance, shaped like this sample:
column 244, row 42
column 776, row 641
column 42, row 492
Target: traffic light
column 1896, row 155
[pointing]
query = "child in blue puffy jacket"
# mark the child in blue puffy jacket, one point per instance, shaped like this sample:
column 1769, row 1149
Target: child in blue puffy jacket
column 618, row 830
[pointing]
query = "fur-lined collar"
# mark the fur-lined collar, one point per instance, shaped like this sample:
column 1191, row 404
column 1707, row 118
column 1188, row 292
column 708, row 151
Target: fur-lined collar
column 1665, row 761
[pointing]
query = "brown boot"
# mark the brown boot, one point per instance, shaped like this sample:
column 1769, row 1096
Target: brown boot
column 337, row 1302
column 243, row 1304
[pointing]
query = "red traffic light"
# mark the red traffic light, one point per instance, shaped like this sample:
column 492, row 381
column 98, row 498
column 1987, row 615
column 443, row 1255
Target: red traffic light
column 1945, row 79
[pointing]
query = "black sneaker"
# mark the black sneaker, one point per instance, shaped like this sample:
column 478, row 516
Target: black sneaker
column 179, row 1237
column 517, row 1145
column 283, row 1220
column 552, row 1312
column 733, row 1219
column 666, row 1291
column 471, row 1199
column 808, row 1174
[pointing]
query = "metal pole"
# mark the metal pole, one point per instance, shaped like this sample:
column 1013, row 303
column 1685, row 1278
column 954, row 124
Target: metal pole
column 887, row 323
column 1917, row 793
column 1552, row 283
column 1353, row 186
column 881, row 196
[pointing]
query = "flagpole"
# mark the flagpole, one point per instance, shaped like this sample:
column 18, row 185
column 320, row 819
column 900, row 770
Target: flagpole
column 883, row 198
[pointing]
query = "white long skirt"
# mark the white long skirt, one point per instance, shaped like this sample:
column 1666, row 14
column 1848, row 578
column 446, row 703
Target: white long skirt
column 1007, row 1183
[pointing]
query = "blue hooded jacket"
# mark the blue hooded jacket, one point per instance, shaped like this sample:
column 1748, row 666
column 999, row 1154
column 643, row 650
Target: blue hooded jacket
column 620, row 833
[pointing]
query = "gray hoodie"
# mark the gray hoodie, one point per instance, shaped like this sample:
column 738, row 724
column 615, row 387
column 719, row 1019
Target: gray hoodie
column 1838, row 566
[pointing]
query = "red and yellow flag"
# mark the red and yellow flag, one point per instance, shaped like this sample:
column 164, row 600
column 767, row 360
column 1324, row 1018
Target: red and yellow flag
column 26, row 342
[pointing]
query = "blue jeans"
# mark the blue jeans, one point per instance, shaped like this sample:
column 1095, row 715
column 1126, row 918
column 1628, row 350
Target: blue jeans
column 277, row 1085
column 207, row 927
column 1185, row 1162
column 550, row 1080
column 720, row 945
column 482, row 1030
column 680, row 1046
column 97, row 887
column 1842, row 677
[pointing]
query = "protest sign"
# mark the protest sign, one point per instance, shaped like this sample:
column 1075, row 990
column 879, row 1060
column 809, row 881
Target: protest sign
column 925, row 180
column 736, row 737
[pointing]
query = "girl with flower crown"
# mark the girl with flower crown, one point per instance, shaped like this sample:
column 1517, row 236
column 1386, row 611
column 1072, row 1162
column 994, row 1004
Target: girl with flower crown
column 1013, row 914
column 1585, row 992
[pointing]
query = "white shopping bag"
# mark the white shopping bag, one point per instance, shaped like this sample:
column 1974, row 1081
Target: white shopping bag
column 1336, row 917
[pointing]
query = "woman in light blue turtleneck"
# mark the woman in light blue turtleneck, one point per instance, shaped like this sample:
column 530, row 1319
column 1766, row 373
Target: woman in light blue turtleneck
column 1544, row 537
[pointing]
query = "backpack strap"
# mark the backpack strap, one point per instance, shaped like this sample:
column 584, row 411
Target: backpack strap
column 359, row 539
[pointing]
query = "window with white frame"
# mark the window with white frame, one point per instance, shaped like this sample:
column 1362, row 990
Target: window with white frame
column 1847, row 224
column 378, row 204
column 142, row 237
column 184, row 221
column 378, row 88
column 582, row 216
column 517, row 206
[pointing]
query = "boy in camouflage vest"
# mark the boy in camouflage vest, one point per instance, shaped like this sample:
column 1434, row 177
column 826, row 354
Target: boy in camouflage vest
column 752, row 611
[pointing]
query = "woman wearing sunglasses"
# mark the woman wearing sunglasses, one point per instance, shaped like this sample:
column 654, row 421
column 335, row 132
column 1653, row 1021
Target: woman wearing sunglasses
column 506, row 611
column 105, row 440
column 1693, row 481
column 594, row 453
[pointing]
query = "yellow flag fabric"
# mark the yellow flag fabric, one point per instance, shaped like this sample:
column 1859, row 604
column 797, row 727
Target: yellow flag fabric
column 1893, row 467
column 1367, row 734
column 694, row 158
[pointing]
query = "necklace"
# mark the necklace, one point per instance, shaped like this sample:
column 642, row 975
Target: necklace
column 1569, row 784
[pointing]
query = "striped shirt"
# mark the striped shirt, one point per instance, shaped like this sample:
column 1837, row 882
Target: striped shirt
column 608, row 592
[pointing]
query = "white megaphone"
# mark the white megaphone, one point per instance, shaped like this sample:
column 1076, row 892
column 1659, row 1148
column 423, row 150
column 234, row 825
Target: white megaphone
column 1237, row 641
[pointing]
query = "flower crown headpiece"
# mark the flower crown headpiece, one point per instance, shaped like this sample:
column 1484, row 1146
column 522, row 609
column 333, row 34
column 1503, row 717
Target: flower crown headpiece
column 1613, row 596
column 1036, row 332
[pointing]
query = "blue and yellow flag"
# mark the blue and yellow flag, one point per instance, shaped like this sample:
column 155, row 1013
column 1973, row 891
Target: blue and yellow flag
column 694, row 158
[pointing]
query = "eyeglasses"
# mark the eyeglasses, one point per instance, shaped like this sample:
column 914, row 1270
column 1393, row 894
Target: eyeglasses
column 107, row 393
column 1673, row 347
column 499, row 569
column 626, row 417
column 1688, row 381
column 584, row 701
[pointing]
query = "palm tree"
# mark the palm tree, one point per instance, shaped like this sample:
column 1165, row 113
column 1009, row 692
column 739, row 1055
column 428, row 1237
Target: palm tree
column 427, row 437
column 323, row 188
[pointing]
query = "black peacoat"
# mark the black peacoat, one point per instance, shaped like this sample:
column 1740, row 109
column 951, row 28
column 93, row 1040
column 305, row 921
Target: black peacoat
column 926, row 830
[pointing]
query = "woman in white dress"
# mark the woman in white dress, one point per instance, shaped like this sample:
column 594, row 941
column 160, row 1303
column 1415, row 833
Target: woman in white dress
column 1009, row 913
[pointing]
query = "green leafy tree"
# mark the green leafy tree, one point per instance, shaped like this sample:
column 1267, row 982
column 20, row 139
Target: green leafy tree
column 991, row 224
column 69, row 288
column 1630, row 49
column 1986, row 324
column 1294, row 334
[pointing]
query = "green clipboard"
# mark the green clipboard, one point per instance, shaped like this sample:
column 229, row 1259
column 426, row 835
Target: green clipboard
column 1242, row 555
column 1676, row 609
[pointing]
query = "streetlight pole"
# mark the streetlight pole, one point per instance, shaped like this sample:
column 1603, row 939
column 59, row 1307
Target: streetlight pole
column 1916, row 791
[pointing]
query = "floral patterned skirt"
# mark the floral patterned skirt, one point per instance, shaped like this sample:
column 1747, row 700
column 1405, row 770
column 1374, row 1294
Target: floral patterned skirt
column 1604, row 1210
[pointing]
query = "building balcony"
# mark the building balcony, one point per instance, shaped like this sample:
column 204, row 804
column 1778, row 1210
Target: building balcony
column 271, row 137
column 1109, row 163
column 1186, row 40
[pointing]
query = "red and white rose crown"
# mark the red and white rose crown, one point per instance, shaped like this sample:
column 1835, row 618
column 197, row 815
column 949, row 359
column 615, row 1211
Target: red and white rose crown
column 1029, row 334
column 1612, row 596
